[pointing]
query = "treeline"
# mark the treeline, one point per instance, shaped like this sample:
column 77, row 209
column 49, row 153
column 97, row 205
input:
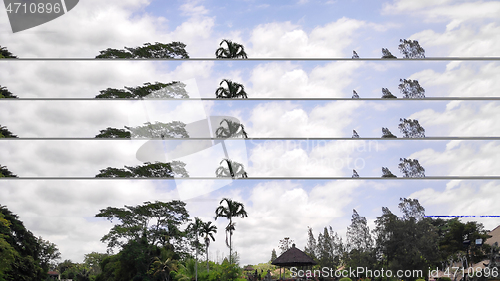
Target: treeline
column 410, row 241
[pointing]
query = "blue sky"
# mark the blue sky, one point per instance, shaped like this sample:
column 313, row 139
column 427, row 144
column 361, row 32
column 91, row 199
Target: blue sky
column 62, row 211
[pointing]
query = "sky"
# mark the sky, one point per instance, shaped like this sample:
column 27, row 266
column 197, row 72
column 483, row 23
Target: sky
column 63, row 211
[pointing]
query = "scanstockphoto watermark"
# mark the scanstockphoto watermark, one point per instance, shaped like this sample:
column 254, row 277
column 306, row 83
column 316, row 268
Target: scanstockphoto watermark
column 358, row 272
column 321, row 146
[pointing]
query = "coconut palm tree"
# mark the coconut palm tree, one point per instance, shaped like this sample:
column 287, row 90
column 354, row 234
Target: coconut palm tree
column 234, row 129
column 233, row 90
column 196, row 227
column 233, row 51
column 208, row 230
column 234, row 170
column 234, row 209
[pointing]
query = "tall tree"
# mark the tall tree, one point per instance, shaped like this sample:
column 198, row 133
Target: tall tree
column 407, row 243
column 231, row 91
column 411, row 128
column 359, row 242
column 233, row 209
column 233, row 170
column 5, row 133
column 196, row 227
column 158, row 223
column 411, row 89
column 386, row 94
column 233, row 50
column 148, row 170
column 411, row 49
column 325, row 250
column 208, row 230
column 387, row 134
column 386, row 54
column 273, row 255
column 285, row 244
column 311, row 246
column 49, row 253
column 386, row 173
column 4, row 93
column 410, row 168
column 174, row 50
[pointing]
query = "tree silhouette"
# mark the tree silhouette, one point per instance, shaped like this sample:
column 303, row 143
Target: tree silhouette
column 113, row 133
column 233, row 90
column 355, row 174
column 5, row 133
column 355, row 55
column 410, row 168
column 387, row 134
column 355, row 134
column 174, row 50
column 411, row 49
column 208, row 230
column 411, row 128
column 234, row 170
column 5, row 54
column 234, row 209
column 233, row 50
column 355, row 94
column 233, row 130
column 386, row 54
column 6, row 94
column 386, row 94
column 411, row 89
column 175, row 89
column 387, row 174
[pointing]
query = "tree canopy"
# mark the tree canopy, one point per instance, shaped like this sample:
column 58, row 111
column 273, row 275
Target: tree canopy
column 386, row 94
column 174, row 50
column 411, row 89
column 5, row 133
column 113, row 133
column 231, row 91
column 386, row 54
column 411, row 128
column 174, row 129
column 148, row 170
column 233, row 50
column 158, row 90
column 411, row 49
column 4, row 53
column 387, row 134
column 410, row 168
column 4, row 172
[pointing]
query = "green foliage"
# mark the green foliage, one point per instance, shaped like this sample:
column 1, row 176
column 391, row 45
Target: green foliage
column 4, row 93
column 4, row 53
column 113, row 133
column 158, row 223
column 233, row 50
column 345, row 279
column 4, row 172
column 174, row 50
column 5, row 133
column 175, row 89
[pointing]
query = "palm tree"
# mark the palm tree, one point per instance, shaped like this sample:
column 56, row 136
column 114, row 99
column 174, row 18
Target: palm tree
column 164, row 265
column 233, row 90
column 196, row 226
column 208, row 230
column 232, row 130
column 233, row 51
column 234, row 170
column 234, row 209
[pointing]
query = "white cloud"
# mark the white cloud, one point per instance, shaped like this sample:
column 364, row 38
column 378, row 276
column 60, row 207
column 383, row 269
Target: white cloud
column 291, row 80
column 284, row 39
